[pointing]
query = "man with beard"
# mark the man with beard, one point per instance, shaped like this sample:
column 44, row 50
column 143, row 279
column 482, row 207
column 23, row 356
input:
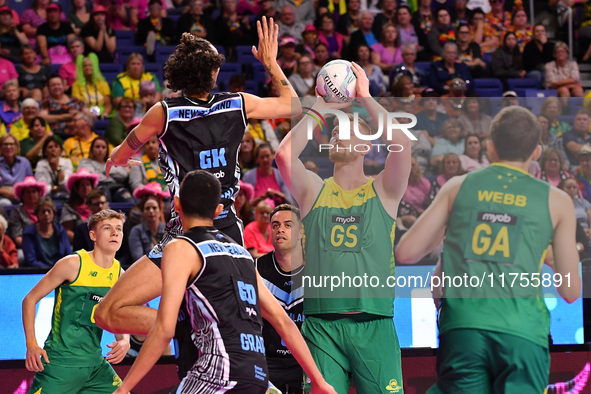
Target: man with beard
column 349, row 223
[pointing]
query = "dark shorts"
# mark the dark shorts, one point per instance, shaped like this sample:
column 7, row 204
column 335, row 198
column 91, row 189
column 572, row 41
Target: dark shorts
column 286, row 375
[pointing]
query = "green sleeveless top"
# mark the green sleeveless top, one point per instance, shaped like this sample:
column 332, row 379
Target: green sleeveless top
column 75, row 338
column 350, row 236
column 499, row 229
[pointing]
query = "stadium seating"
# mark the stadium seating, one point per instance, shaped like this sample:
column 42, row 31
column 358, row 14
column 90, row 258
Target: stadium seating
column 535, row 98
column 488, row 87
column 519, row 85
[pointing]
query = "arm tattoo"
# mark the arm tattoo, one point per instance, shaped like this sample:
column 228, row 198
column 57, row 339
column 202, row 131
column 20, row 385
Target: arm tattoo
column 133, row 142
column 284, row 82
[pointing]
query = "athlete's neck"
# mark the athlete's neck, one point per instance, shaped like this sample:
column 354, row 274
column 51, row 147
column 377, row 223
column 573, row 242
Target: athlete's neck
column 290, row 259
column 203, row 97
column 101, row 258
column 350, row 176
column 522, row 165
column 189, row 223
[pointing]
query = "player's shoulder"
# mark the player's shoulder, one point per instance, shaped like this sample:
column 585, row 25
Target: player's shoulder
column 264, row 262
column 68, row 267
column 559, row 201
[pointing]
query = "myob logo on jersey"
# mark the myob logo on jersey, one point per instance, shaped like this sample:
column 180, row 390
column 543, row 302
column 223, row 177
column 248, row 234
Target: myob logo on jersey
column 386, row 122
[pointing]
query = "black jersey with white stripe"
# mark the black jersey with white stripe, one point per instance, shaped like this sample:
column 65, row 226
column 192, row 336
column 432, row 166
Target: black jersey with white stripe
column 204, row 135
column 225, row 314
column 289, row 292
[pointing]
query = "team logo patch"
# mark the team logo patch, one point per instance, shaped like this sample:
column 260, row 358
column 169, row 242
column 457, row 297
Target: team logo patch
column 393, row 386
column 116, row 380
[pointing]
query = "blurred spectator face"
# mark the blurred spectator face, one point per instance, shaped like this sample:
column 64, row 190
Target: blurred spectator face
column 552, row 165
column 552, row 110
column 99, row 18
column 363, row 53
column 403, row 16
column 311, row 166
column 38, row 130
column 6, row 18
column 450, row 54
column 539, row 33
column 56, row 87
column 571, row 187
column 30, row 196
column 11, row 93
column 389, row 5
column 582, row 123
column 53, row 149
column 79, row 3
column 28, row 56
column 321, row 54
column 408, row 56
column 461, row 4
column 544, row 123
column 310, row 38
column 425, row 3
column 151, row 148
column 197, row 7
column 473, row 106
column 354, row 5
column 80, row 123
column 263, row 212
column 463, row 34
column 477, row 18
column 97, row 204
column 560, row 54
column 305, row 65
column 136, row 67
column 229, row 6
column 509, row 101
column 288, row 51
column 84, row 187
column 53, row 16
column 451, row 166
column 266, row 5
column 45, row 214
column 497, row 6
column 473, row 146
column 265, row 158
column 287, row 15
column 366, row 21
column 430, row 103
column 151, row 211
column 443, row 17
column 155, row 10
column 390, row 34
column 87, row 69
column 247, row 144
column 327, row 25
column 510, row 41
column 240, row 200
column 520, row 20
column 452, row 132
column 127, row 109
column 76, row 48
column 585, row 161
column 8, row 148
column 99, row 150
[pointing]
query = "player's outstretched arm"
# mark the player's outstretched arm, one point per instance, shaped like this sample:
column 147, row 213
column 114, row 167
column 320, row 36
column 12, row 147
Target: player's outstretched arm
column 180, row 262
column 427, row 232
column 275, row 314
column 566, row 256
column 287, row 104
column 152, row 124
column 65, row 270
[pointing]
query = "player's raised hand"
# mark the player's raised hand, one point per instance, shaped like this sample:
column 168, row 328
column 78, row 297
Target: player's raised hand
column 33, row 359
column 268, row 44
column 118, row 351
column 362, row 89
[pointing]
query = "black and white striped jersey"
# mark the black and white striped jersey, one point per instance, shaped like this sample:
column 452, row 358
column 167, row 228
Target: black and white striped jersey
column 225, row 314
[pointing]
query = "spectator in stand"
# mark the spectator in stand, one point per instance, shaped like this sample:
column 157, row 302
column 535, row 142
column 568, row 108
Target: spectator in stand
column 242, row 205
column 482, row 34
column 421, row 148
column 232, row 29
column 9, row 110
column 59, row 109
column 68, row 70
column 127, row 84
column 147, row 234
column 537, row 53
column 32, row 146
column 548, row 140
column 386, row 17
column 8, row 252
column 429, row 120
column 29, row 110
column 114, row 185
column 563, row 74
column 288, row 26
column 78, row 16
column 474, row 120
column 408, row 35
column 574, row 140
column 97, row 201
column 123, row 14
column 473, row 158
column 552, row 108
column 119, row 124
column 442, row 71
column 363, row 36
column 32, row 77
column 470, row 53
column 552, row 167
column 45, row 242
column 374, row 73
column 328, row 36
column 582, row 206
column 194, row 22
column 257, row 235
column 523, row 31
column 423, row 20
column 246, row 157
column 441, row 33
column 91, row 87
column 149, row 171
column 99, row 36
column 498, row 21
column 507, row 61
column 263, row 132
column 54, row 170
column 583, row 173
column 268, row 10
column 154, row 29
column 265, row 176
column 304, row 10
column 348, row 22
column 304, row 80
column 418, row 76
column 454, row 101
column 53, row 36
column 75, row 211
column 13, row 168
column 287, row 58
column 309, row 42
column 416, row 197
column 34, row 17
column 321, row 56
column 78, row 146
column 450, row 166
column 28, row 193
column 451, row 141
column 460, row 14
column 388, row 52
column 12, row 37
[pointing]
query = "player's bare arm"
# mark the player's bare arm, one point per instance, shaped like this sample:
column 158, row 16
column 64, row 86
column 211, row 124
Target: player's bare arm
column 427, row 232
column 152, row 124
column 566, row 256
column 287, row 104
column 275, row 314
column 180, row 262
column 65, row 270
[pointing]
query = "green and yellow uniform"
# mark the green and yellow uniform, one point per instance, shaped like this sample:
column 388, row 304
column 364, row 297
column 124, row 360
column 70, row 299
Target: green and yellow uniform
column 349, row 234
column 76, row 364
column 494, row 337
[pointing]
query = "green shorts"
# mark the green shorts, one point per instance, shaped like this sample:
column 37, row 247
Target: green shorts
column 57, row 379
column 363, row 346
column 487, row 362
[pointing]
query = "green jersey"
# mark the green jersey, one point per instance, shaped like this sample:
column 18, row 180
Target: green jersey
column 75, row 338
column 498, row 232
column 348, row 235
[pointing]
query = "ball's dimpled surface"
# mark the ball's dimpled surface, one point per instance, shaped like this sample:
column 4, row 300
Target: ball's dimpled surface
column 336, row 81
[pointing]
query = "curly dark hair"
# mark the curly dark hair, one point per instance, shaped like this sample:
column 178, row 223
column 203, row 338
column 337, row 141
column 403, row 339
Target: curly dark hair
column 189, row 68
